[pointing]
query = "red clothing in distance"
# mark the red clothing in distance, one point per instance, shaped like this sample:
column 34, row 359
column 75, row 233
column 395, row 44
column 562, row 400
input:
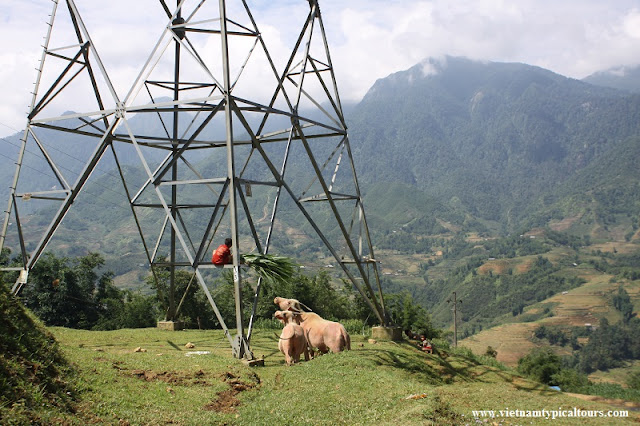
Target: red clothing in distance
column 221, row 255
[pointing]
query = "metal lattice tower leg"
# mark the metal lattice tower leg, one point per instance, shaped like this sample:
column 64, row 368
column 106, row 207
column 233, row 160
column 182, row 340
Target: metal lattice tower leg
column 227, row 136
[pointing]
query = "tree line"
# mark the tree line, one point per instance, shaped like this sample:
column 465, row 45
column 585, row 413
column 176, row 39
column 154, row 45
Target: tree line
column 72, row 292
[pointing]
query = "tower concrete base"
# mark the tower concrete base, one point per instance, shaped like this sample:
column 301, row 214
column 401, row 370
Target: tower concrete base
column 386, row 333
column 171, row 325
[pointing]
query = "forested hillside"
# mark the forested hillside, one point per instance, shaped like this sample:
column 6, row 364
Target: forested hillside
column 487, row 138
column 446, row 150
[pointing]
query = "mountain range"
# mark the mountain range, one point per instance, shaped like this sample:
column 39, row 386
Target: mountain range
column 496, row 141
column 456, row 145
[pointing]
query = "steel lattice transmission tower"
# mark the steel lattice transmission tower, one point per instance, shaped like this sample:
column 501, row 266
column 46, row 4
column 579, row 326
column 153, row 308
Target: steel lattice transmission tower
column 228, row 135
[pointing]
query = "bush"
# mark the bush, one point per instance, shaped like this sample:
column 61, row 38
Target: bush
column 408, row 315
column 356, row 326
column 267, row 324
column 441, row 344
column 633, row 381
column 69, row 292
column 491, row 352
column 540, row 365
column 571, row 380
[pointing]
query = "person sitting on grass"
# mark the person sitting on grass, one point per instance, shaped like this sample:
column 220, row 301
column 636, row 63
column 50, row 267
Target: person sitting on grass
column 425, row 345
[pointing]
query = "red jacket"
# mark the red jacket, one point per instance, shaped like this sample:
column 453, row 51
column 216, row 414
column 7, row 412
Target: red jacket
column 221, row 255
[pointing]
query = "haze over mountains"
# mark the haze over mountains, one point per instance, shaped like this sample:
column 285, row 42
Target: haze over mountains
column 487, row 147
column 623, row 78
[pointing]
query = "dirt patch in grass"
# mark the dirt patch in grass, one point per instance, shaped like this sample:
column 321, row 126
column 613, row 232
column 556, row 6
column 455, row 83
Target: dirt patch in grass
column 174, row 378
column 498, row 267
column 450, row 226
column 227, row 401
column 524, row 267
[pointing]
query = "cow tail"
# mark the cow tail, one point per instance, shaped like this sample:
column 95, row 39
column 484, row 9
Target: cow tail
column 347, row 340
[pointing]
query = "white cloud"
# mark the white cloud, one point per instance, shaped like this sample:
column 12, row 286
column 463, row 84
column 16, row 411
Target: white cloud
column 631, row 24
column 369, row 39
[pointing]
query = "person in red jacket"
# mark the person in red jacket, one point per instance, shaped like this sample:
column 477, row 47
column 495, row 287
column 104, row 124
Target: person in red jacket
column 222, row 255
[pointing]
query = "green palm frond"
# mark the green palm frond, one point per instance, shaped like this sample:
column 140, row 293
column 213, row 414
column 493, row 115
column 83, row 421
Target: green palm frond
column 271, row 268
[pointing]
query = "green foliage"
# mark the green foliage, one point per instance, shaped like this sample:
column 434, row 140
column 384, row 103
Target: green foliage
column 61, row 291
column 624, row 266
column 544, row 366
column 224, row 297
column 70, row 293
column 633, row 380
column 189, row 300
column 317, row 292
column 564, row 239
column 570, row 380
column 526, row 132
column 127, row 309
column 402, row 217
column 410, row 316
column 494, row 293
column 610, row 345
column 356, row 326
column 491, row 352
column 610, row 390
column 541, row 365
column 515, row 246
column 270, row 268
column 443, row 345
column 554, row 335
column 622, row 302
column 497, row 295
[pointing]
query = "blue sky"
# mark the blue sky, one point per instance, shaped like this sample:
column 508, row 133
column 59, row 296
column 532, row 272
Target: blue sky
column 369, row 39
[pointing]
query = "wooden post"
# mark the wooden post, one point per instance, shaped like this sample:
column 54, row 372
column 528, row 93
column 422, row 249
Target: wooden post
column 455, row 318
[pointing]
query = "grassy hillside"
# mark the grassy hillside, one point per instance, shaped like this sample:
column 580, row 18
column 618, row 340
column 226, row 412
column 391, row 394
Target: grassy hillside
column 148, row 376
column 34, row 375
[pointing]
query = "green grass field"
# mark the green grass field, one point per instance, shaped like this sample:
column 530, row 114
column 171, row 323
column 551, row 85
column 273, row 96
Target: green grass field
column 379, row 383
